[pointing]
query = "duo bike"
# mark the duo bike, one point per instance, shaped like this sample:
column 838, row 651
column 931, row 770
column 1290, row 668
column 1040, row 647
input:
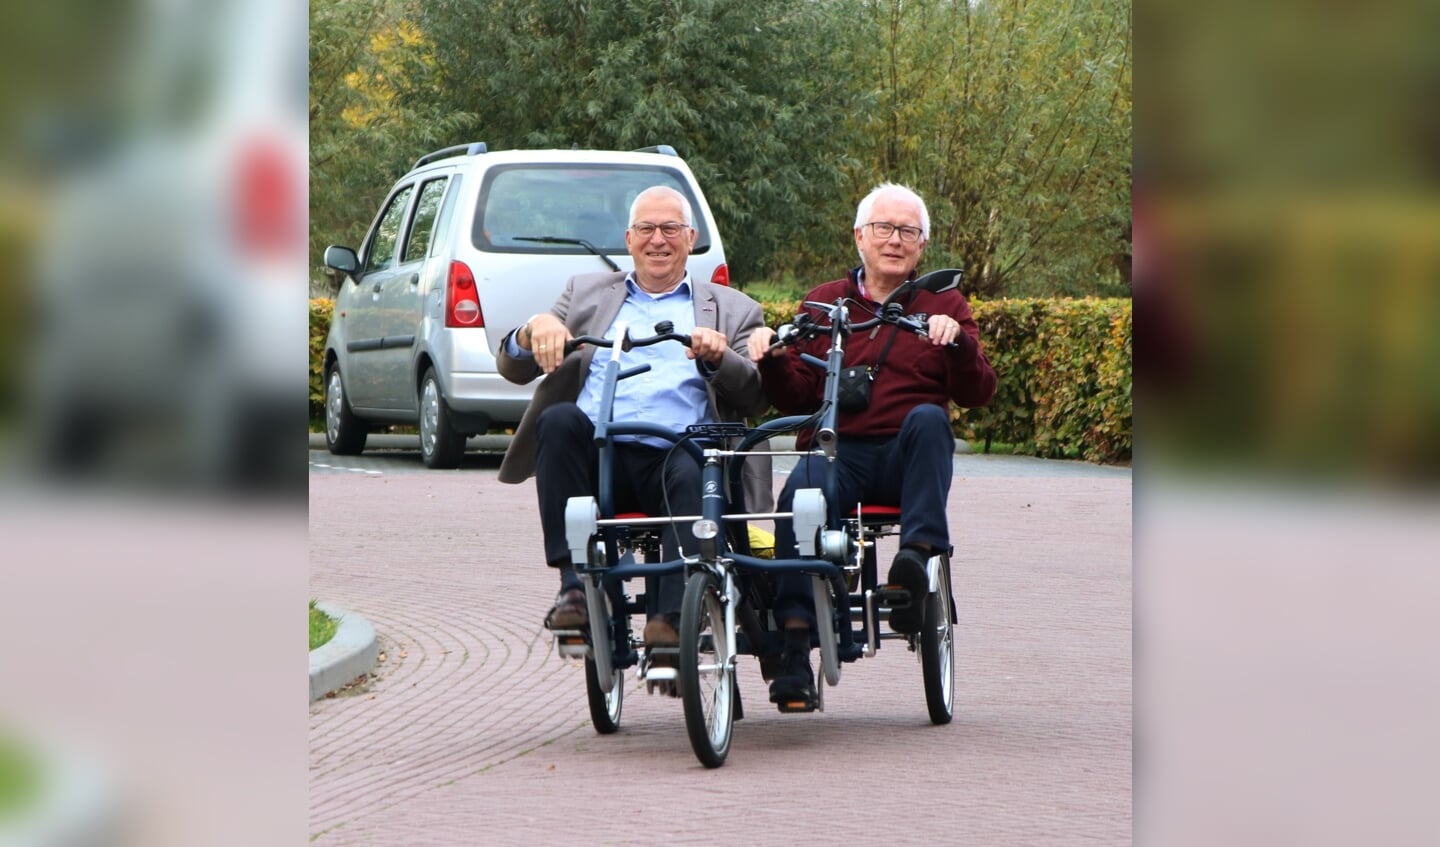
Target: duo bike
column 725, row 612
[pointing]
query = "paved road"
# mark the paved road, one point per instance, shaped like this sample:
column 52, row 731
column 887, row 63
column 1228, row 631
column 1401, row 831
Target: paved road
column 473, row 731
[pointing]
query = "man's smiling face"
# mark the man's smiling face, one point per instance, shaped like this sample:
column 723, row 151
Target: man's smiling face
column 659, row 261
column 888, row 261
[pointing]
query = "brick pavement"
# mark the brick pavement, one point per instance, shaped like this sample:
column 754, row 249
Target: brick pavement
column 474, row 732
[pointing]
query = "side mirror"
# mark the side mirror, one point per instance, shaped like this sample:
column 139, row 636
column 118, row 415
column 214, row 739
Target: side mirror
column 942, row 280
column 342, row 259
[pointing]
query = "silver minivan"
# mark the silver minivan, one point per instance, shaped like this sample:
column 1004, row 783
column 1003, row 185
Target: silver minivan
column 466, row 247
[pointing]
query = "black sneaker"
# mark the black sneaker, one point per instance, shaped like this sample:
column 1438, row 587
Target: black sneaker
column 908, row 572
column 793, row 688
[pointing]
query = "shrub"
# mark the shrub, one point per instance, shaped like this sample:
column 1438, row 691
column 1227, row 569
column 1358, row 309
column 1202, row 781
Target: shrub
column 320, row 312
column 1064, row 369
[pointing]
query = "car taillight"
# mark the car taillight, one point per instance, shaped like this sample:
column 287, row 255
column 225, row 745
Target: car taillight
column 265, row 202
column 721, row 275
column 462, row 301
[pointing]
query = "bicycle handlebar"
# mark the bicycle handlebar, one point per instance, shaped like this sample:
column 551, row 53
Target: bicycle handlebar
column 805, row 327
column 936, row 282
column 664, row 331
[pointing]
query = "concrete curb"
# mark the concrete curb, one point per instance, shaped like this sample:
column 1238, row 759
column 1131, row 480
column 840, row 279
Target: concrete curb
column 338, row 662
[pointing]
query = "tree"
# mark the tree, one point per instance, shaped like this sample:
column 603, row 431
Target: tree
column 370, row 112
column 753, row 93
column 1012, row 119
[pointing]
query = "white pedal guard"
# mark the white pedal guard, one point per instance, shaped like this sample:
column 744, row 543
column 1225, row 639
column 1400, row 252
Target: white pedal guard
column 808, row 510
column 581, row 516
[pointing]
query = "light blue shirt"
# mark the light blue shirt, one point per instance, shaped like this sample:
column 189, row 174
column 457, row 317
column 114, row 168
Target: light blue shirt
column 672, row 393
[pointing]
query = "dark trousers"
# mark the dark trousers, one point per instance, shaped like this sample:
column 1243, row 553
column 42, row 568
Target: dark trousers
column 912, row 470
column 643, row 478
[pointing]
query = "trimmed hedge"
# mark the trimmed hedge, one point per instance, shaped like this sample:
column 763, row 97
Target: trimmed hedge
column 320, row 311
column 1064, row 369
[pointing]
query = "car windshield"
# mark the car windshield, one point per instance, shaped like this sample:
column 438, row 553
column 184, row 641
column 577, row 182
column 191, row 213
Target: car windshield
column 565, row 204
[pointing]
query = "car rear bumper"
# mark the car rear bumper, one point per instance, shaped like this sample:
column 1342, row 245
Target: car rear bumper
column 489, row 394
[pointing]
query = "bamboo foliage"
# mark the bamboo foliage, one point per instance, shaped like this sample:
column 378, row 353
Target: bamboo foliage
column 1011, row 117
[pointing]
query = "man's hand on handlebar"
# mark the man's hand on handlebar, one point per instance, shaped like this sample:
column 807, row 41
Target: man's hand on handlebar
column 943, row 329
column 707, row 344
column 760, row 344
column 547, row 337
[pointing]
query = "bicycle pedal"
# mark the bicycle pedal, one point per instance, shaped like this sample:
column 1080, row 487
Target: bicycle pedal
column 663, row 687
column 663, row 657
column 571, row 643
column 893, row 596
column 660, row 673
column 790, row 707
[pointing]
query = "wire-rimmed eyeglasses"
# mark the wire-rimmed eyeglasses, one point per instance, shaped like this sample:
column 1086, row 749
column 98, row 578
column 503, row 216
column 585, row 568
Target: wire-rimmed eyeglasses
column 670, row 229
column 885, row 229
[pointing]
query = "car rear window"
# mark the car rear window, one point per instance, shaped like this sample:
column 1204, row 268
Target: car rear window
column 568, row 201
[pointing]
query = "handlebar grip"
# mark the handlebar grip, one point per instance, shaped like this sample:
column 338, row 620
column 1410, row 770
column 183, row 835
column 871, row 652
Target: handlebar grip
column 785, row 334
column 573, row 344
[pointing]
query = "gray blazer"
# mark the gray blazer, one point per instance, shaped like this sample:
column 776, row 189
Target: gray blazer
column 588, row 306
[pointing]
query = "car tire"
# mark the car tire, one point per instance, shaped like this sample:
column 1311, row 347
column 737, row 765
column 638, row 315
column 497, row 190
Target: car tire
column 344, row 433
column 441, row 447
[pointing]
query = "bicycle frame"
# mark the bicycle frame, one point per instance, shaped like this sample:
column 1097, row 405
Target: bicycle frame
column 717, row 622
column 714, row 552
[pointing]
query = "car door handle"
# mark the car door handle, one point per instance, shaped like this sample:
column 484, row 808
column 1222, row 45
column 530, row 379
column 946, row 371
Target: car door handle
column 415, row 279
column 376, row 289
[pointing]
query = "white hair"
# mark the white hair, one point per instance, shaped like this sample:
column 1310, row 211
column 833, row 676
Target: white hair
column 862, row 213
column 669, row 192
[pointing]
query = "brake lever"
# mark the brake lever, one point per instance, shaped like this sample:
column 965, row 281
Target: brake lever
column 785, row 335
column 894, row 313
column 798, row 330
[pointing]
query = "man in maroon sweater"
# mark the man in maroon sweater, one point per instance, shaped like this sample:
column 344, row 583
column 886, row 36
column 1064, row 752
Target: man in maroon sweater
column 896, row 451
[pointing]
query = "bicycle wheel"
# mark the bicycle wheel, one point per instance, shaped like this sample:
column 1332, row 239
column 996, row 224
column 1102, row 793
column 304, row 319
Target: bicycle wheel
column 937, row 650
column 707, row 679
column 604, row 705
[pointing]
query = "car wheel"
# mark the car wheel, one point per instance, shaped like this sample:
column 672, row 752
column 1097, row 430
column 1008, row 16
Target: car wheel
column 344, row 433
column 440, row 445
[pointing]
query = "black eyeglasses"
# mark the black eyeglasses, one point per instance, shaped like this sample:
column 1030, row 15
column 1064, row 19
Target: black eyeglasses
column 669, row 230
column 885, row 229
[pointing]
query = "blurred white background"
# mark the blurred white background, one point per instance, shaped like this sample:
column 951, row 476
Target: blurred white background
column 152, row 296
column 152, row 412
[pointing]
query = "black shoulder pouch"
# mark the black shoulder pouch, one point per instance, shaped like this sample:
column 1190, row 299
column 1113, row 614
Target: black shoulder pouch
column 853, row 390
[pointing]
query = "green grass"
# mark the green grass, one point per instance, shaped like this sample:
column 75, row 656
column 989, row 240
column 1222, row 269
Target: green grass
column 322, row 627
column 19, row 778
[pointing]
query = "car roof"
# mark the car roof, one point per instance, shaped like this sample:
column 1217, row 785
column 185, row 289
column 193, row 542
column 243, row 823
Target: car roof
column 504, row 157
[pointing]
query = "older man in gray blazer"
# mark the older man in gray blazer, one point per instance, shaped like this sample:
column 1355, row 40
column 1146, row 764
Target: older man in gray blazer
column 554, row 440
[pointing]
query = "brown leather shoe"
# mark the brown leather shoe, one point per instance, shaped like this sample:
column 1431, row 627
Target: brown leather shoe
column 659, row 632
column 569, row 611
